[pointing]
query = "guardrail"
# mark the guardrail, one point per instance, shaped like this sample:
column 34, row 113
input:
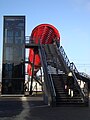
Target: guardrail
column 72, row 67
column 84, row 75
column 29, row 39
column 49, row 80
column 65, row 56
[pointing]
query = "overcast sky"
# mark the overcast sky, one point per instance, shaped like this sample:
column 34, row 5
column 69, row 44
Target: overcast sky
column 70, row 17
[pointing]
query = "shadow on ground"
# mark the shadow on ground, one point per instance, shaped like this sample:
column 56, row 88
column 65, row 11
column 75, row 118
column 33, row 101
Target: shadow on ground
column 37, row 110
column 60, row 113
column 10, row 108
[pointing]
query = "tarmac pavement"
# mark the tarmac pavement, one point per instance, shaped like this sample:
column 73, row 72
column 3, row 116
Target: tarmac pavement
column 32, row 108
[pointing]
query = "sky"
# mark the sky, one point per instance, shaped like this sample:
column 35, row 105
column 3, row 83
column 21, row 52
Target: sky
column 70, row 17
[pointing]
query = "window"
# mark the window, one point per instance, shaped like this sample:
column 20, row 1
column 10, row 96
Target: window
column 9, row 53
column 8, row 36
column 21, row 24
column 17, row 40
column 8, row 69
column 19, row 36
column 9, row 33
column 9, row 39
column 18, row 54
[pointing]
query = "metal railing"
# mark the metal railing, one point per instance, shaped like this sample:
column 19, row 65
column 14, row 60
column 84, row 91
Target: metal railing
column 73, row 67
column 49, row 81
column 31, row 40
column 84, row 75
column 74, row 70
column 65, row 56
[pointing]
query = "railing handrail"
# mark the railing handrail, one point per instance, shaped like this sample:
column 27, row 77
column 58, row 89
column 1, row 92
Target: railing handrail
column 29, row 39
column 64, row 56
column 73, row 69
column 52, row 89
column 50, row 76
column 72, row 65
column 81, row 91
column 33, row 40
column 84, row 75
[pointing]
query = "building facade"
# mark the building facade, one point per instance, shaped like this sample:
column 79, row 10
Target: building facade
column 13, row 68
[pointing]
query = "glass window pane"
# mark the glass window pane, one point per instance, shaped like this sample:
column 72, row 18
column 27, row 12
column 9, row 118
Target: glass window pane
column 9, row 39
column 9, row 33
column 8, row 69
column 8, row 36
column 9, row 53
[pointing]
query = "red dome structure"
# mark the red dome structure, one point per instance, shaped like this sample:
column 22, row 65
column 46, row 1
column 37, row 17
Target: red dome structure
column 43, row 34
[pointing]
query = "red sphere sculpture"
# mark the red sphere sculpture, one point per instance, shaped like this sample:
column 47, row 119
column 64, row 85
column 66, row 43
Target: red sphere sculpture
column 43, row 34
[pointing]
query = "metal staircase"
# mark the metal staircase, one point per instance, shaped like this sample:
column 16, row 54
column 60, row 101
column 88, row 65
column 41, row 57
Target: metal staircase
column 62, row 96
column 56, row 67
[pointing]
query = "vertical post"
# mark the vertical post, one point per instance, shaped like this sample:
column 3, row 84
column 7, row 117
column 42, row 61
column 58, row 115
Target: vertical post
column 41, row 78
column 28, row 83
column 36, row 88
column 32, row 74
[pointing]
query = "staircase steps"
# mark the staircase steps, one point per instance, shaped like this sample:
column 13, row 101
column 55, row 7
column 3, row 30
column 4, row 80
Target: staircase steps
column 59, row 78
column 52, row 58
column 62, row 97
